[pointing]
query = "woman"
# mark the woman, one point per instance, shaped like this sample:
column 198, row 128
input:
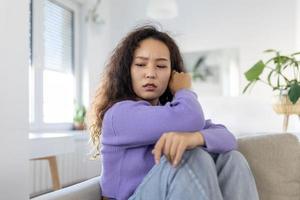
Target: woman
column 155, row 141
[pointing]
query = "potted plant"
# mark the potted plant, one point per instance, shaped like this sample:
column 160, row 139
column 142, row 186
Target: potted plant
column 79, row 117
column 283, row 76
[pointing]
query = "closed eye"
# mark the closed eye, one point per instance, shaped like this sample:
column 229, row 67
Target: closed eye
column 159, row 66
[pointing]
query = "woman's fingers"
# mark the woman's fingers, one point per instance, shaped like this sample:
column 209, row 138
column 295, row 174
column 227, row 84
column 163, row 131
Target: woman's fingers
column 173, row 148
column 158, row 148
column 179, row 152
column 166, row 149
column 172, row 145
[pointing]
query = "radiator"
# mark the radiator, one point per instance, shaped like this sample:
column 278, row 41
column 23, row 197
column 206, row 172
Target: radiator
column 72, row 168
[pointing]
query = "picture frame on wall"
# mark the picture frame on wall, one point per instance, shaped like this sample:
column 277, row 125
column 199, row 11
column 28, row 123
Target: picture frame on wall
column 214, row 72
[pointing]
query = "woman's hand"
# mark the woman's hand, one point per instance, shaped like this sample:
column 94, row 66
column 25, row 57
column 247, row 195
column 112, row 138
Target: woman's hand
column 179, row 81
column 174, row 144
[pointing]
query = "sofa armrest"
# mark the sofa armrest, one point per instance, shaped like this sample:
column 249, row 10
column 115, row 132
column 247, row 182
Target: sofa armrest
column 87, row 190
column 275, row 163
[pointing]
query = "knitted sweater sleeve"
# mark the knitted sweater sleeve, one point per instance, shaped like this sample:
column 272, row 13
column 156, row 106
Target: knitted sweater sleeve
column 138, row 123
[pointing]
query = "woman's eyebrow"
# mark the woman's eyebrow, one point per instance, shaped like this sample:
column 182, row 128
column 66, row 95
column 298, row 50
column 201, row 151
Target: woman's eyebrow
column 158, row 59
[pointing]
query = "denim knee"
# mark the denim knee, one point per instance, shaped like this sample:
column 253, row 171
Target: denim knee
column 199, row 157
column 234, row 158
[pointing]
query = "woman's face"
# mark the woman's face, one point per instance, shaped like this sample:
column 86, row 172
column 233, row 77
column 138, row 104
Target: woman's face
column 150, row 70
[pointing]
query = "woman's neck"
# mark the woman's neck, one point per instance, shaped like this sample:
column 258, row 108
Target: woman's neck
column 154, row 102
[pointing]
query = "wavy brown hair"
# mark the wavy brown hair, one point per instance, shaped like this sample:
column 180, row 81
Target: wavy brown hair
column 115, row 84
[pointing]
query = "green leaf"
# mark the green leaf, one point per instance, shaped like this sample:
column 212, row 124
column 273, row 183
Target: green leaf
column 80, row 113
column 269, row 50
column 297, row 53
column 281, row 59
column 254, row 72
column 294, row 92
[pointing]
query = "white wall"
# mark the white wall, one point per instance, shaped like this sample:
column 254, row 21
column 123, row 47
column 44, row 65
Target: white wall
column 298, row 25
column 250, row 26
column 14, row 62
column 96, row 47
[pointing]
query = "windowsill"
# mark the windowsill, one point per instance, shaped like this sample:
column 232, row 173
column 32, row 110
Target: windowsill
column 54, row 143
column 77, row 134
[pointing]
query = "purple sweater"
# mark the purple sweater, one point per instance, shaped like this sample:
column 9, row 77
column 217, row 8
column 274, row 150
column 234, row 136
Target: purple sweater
column 131, row 128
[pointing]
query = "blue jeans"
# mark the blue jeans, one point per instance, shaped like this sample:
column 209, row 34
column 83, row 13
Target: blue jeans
column 199, row 176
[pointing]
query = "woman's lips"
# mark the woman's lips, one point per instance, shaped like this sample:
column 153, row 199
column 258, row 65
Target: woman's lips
column 150, row 88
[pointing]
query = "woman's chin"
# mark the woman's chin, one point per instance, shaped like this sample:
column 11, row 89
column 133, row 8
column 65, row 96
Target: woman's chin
column 150, row 97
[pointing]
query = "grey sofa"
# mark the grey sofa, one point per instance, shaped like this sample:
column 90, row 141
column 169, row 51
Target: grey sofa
column 274, row 160
column 87, row 190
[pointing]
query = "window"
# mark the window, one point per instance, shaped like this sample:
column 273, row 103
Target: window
column 54, row 69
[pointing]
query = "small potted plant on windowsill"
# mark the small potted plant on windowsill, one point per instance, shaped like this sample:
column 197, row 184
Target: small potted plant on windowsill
column 284, row 77
column 79, row 117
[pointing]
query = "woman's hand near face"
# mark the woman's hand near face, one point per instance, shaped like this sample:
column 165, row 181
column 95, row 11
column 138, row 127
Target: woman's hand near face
column 179, row 81
column 174, row 144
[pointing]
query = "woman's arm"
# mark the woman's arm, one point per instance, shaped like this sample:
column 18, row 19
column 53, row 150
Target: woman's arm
column 138, row 123
column 214, row 138
column 217, row 138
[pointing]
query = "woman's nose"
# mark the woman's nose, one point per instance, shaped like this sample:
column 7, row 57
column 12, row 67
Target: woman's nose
column 150, row 76
column 151, row 73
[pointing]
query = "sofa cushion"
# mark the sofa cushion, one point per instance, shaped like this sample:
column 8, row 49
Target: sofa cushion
column 275, row 163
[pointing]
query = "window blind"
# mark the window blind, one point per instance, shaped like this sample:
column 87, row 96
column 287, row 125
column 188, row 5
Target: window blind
column 58, row 38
